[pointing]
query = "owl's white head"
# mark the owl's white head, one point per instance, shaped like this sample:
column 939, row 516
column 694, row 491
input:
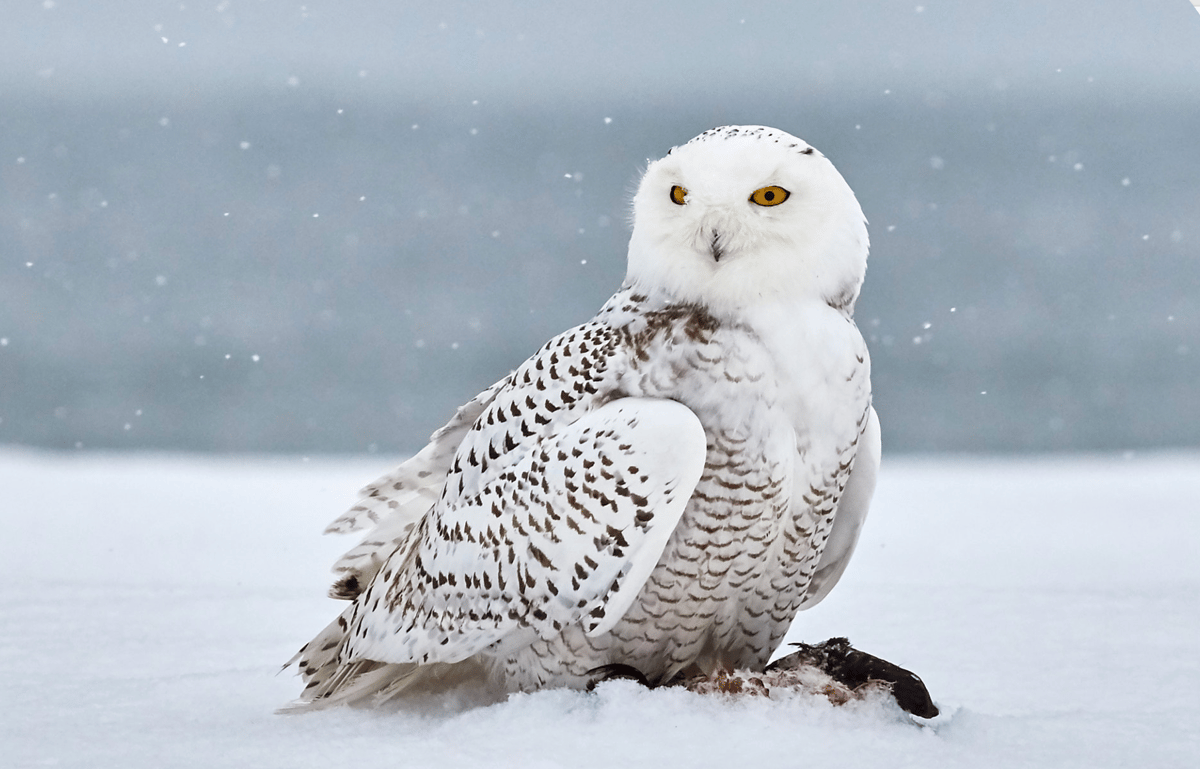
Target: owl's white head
column 746, row 214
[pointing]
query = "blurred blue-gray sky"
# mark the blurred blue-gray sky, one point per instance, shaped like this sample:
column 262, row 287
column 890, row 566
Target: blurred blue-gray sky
column 592, row 51
column 274, row 226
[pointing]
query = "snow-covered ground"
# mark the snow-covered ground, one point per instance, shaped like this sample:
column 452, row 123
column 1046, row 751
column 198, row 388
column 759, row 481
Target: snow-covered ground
column 1051, row 605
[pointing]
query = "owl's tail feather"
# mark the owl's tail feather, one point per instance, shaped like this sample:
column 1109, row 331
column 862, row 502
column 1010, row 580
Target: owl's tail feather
column 318, row 661
column 330, row 681
column 366, row 683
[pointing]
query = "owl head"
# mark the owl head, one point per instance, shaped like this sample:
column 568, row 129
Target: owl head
column 743, row 215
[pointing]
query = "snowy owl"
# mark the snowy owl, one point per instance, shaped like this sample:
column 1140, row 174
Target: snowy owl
column 660, row 489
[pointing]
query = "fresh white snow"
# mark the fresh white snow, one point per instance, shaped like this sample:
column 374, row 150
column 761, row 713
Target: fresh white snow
column 1051, row 605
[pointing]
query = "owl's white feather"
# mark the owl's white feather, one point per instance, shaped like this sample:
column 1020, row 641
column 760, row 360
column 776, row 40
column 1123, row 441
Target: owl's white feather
column 664, row 486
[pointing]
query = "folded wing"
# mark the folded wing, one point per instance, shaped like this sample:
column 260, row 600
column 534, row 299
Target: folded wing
column 567, row 534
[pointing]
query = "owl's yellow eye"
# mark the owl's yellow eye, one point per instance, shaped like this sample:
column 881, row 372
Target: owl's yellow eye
column 769, row 196
column 678, row 195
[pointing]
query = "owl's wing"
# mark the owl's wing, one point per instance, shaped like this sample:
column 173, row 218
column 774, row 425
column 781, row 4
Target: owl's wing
column 850, row 516
column 568, row 534
column 395, row 502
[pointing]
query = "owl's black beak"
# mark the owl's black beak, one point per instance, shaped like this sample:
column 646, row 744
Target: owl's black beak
column 716, row 247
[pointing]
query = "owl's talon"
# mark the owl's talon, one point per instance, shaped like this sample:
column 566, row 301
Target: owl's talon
column 616, row 671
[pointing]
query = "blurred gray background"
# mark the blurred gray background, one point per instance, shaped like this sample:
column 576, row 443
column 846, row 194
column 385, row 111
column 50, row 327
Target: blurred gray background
column 251, row 225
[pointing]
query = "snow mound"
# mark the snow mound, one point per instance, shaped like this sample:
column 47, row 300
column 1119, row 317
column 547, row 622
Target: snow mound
column 1051, row 606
